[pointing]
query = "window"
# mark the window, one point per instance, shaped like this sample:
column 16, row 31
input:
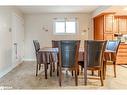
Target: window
column 65, row 26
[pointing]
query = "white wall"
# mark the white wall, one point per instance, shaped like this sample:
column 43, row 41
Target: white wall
column 6, row 39
column 35, row 22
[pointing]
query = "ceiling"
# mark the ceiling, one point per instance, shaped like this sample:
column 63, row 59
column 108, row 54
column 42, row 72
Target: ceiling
column 118, row 10
column 57, row 9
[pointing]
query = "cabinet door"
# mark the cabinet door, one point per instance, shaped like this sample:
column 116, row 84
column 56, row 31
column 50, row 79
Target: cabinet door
column 108, row 24
column 122, row 25
column 115, row 25
column 98, row 28
column 108, row 36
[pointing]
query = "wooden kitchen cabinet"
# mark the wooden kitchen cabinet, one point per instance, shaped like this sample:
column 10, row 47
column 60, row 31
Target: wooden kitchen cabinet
column 108, row 36
column 122, row 25
column 108, row 23
column 98, row 28
column 122, row 54
column 103, row 27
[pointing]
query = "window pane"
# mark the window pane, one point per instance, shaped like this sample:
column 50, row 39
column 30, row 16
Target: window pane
column 59, row 27
column 70, row 27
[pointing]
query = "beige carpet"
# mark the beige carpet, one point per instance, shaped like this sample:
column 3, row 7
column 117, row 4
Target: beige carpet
column 23, row 77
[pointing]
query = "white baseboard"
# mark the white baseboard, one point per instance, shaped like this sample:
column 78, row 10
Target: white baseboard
column 29, row 59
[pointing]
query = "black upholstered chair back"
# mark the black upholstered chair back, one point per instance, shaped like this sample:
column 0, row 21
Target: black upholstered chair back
column 94, row 52
column 36, row 45
column 68, row 51
column 37, row 48
column 38, row 55
column 112, row 45
column 55, row 43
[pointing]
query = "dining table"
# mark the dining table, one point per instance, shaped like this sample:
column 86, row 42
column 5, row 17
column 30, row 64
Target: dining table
column 50, row 55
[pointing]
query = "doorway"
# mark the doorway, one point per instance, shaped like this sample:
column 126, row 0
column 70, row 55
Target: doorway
column 17, row 39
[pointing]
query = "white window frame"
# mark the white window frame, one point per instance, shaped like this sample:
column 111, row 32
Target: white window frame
column 65, row 20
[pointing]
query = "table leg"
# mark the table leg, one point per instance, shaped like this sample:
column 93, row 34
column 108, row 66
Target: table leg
column 45, row 70
column 51, row 64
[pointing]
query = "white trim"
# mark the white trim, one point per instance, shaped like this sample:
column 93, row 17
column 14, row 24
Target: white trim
column 29, row 59
column 65, row 33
